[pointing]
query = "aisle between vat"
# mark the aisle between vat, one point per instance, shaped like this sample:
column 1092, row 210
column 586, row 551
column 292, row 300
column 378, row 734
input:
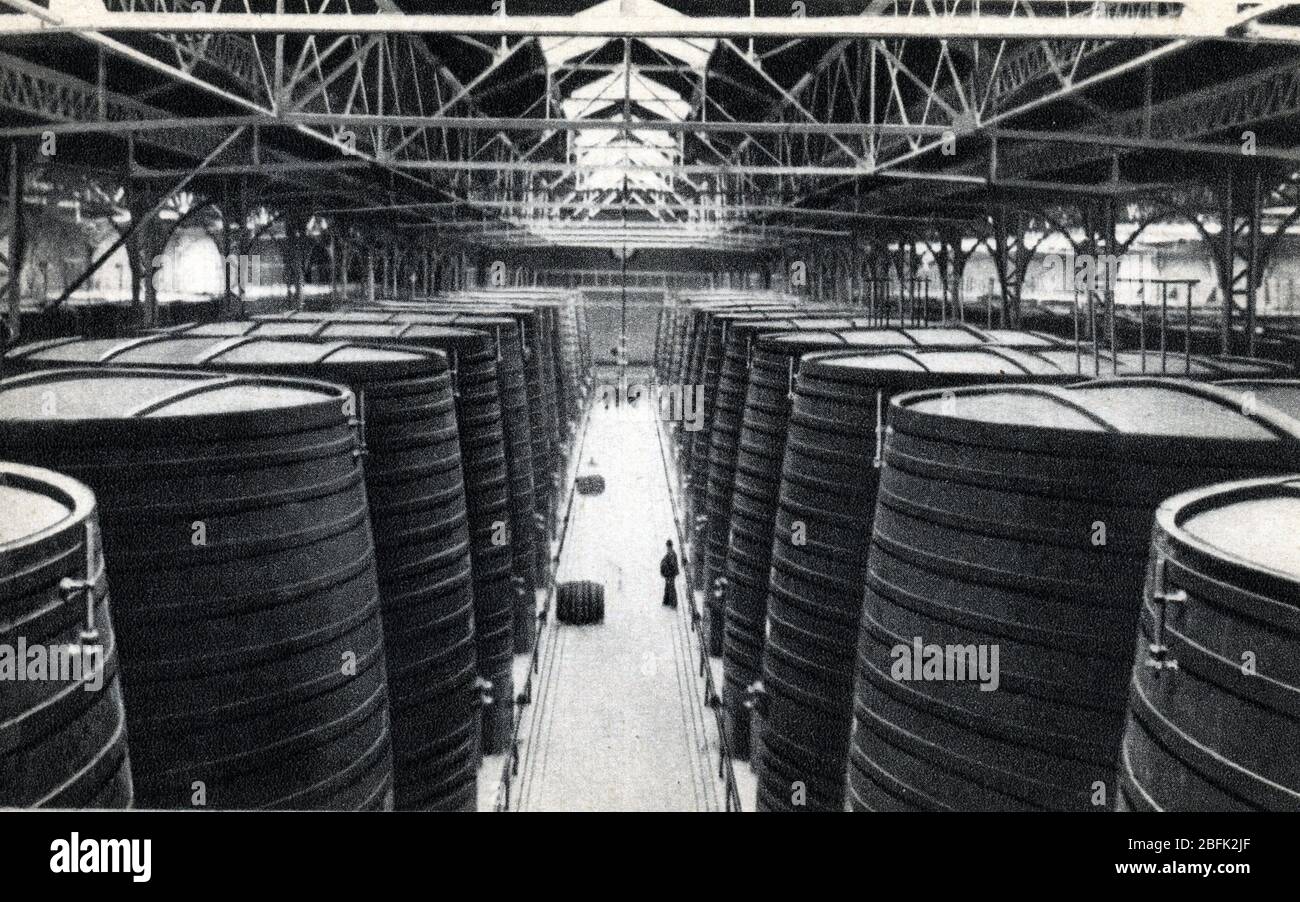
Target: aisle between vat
column 617, row 720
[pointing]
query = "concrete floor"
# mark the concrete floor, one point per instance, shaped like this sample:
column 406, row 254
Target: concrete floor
column 618, row 721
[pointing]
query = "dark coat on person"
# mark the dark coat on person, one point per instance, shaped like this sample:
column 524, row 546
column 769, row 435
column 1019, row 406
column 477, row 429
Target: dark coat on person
column 668, row 567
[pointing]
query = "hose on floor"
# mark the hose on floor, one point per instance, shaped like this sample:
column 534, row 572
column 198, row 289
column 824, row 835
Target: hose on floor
column 510, row 769
column 726, row 771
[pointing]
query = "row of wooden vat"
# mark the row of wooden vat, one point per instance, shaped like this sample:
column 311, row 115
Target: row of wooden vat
column 862, row 494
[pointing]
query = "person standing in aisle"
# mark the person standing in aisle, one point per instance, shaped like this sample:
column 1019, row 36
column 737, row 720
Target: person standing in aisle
column 669, row 569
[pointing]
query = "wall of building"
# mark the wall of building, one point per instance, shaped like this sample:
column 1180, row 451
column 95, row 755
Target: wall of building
column 1190, row 260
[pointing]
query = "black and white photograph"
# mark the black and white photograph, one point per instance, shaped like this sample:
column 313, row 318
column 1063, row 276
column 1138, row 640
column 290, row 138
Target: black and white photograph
column 631, row 409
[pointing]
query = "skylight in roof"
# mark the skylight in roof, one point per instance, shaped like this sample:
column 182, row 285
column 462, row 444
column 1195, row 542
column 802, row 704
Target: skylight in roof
column 694, row 52
column 617, row 163
column 618, row 86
